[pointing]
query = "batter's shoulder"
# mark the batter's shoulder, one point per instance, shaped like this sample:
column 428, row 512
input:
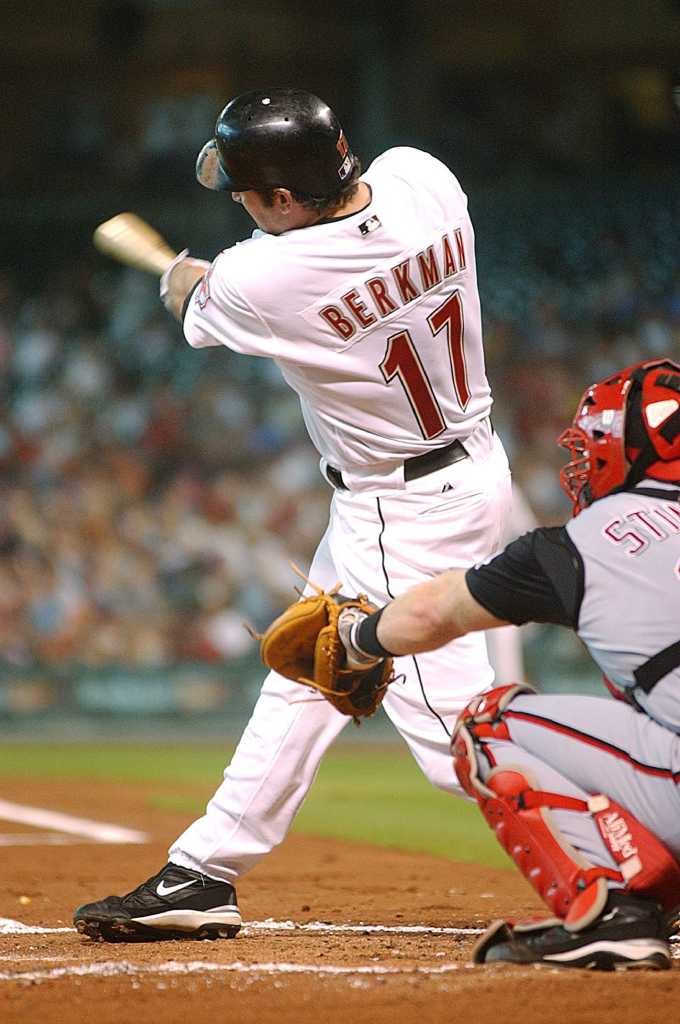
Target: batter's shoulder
column 246, row 253
column 413, row 165
column 402, row 156
column 243, row 265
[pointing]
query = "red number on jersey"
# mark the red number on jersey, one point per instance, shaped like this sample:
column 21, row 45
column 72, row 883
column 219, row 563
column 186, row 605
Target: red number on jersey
column 402, row 361
column 450, row 316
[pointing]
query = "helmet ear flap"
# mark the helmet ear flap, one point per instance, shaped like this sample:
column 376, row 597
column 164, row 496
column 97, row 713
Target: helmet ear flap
column 653, row 423
column 209, row 170
column 662, row 413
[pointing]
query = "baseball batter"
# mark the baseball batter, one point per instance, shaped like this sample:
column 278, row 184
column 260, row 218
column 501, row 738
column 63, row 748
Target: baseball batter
column 363, row 290
column 582, row 792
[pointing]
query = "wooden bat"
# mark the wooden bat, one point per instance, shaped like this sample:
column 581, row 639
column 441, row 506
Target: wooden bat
column 130, row 240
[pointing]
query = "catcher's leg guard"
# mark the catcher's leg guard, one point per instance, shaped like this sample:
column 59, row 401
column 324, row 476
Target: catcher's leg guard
column 484, row 713
column 519, row 813
column 646, row 865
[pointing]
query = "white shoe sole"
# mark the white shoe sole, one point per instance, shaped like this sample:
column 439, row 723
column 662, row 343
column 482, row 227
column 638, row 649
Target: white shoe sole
column 220, row 923
column 615, row 955
column 191, row 920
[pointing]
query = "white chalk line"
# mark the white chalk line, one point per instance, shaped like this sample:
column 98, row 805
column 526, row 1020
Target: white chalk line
column 111, row 969
column 38, row 839
column 117, row 968
column 8, row 926
column 323, row 926
column 40, row 817
column 11, row 927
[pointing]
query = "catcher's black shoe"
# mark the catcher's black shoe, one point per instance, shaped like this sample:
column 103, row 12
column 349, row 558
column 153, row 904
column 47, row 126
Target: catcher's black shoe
column 630, row 933
column 177, row 903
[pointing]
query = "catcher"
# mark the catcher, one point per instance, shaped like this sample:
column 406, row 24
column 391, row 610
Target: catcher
column 582, row 792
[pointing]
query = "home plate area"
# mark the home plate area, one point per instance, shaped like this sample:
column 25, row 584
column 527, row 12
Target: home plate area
column 337, row 933
column 310, row 971
column 314, row 948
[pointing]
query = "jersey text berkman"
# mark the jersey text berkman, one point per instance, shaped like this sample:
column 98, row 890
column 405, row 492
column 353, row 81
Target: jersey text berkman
column 404, row 282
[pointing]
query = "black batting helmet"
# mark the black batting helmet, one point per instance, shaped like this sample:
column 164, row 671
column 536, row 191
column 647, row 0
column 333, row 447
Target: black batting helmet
column 277, row 138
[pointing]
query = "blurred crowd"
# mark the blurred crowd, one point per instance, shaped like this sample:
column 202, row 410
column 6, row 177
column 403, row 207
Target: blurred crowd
column 577, row 280
column 152, row 496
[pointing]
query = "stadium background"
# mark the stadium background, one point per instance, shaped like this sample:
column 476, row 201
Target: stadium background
column 151, row 495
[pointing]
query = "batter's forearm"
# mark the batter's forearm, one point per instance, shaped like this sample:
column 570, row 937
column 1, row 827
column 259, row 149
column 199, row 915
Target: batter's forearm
column 179, row 280
column 182, row 282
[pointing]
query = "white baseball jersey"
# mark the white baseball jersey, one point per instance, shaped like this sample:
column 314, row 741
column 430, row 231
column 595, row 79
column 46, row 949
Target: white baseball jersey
column 373, row 318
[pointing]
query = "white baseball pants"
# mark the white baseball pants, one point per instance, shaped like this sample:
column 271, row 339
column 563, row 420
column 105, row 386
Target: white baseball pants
column 380, row 546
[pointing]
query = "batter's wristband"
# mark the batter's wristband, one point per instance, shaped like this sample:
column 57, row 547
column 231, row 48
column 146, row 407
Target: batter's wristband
column 367, row 636
column 189, row 296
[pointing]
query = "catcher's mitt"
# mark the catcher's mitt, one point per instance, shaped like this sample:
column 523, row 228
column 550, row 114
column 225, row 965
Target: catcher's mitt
column 304, row 644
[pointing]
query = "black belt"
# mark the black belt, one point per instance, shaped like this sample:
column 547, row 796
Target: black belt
column 419, row 465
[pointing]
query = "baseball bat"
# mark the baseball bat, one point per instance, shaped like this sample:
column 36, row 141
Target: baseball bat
column 130, row 240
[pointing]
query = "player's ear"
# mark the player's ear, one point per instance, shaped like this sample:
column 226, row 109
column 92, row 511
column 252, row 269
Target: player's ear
column 283, row 200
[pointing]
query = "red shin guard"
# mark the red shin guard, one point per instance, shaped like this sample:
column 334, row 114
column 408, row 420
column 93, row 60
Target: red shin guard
column 519, row 813
column 575, row 890
column 646, row 865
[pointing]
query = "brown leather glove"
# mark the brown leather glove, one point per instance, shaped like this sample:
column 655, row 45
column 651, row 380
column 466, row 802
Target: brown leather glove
column 304, row 644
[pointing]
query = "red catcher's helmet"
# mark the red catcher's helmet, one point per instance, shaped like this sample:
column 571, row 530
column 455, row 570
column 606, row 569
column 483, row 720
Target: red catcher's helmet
column 626, row 427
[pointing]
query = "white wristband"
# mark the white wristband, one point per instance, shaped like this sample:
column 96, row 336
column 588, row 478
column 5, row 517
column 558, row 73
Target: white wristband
column 349, row 621
column 165, row 279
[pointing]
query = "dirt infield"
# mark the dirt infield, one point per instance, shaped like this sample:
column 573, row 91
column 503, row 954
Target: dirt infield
column 339, row 932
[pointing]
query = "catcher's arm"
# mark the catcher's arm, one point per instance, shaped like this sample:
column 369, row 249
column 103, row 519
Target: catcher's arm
column 428, row 616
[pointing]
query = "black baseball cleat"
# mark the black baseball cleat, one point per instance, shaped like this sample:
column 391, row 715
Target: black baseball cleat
column 177, row 903
column 630, row 933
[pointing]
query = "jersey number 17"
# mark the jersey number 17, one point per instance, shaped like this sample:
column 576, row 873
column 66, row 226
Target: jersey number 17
column 402, row 360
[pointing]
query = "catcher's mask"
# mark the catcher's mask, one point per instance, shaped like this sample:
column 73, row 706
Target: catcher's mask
column 626, row 427
column 278, row 138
